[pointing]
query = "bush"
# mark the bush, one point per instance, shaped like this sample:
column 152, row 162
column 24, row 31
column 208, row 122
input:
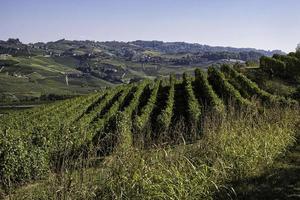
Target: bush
column 194, row 109
column 165, row 117
column 26, row 145
column 273, row 67
column 252, row 88
column 205, row 92
column 225, row 90
column 296, row 94
column 20, row 159
column 292, row 64
column 143, row 118
column 124, row 119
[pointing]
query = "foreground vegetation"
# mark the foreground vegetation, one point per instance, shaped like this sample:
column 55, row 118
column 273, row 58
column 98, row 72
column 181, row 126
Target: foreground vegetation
column 164, row 139
column 242, row 145
column 280, row 181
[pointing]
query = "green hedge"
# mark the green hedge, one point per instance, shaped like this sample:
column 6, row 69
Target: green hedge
column 224, row 89
column 124, row 119
column 206, row 92
column 252, row 88
column 273, row 66
column 292, row 64
column 28, row 141
column 86, row 120
column 143, row 118
column 165, row 117
column 97, row 126
column 194, row 109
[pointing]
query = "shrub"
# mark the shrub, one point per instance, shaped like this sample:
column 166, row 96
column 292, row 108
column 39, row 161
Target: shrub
column 224, row 89
column 143, row 118
column 194, row 110
column 206, row 92
column 292, row 64
column 165, row 117
column 252, row 88
column 124, row 119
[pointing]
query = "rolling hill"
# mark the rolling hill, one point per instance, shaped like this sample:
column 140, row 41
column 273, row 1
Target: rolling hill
column 29, row 71
column 143, row 113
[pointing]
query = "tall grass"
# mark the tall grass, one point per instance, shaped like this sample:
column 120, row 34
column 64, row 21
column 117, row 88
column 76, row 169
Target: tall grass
column 234, row 146
column 242, row 145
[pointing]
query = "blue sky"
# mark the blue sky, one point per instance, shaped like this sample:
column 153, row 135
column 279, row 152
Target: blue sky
column 265, row 24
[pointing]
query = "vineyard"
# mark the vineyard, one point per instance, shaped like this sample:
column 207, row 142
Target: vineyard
column 142, row 115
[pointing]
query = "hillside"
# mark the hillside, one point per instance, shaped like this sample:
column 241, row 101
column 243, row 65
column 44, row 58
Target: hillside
column 143, row 115
column 29, row 71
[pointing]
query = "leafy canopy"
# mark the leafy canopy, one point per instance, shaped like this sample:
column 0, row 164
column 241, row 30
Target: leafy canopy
column 298, row 48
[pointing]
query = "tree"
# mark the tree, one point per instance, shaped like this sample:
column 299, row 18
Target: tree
column 273, row 66
column 298, row 48
column 297, row 54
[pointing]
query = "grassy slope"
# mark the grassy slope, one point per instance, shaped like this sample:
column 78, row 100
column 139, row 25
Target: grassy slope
column 44, row 77
column 279, row 87
column 281, row 181
column 273, row 85
column 46, row 74
column 185, row 172
column 44, row 63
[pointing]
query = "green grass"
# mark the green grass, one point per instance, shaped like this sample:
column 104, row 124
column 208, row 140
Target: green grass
column 279, row 87
column 280, row 181
column 38, row 85
column 238, row 147
column 151, row 53
column 67, row 61
column 45, row 63
column 113, row 62
column 44, row 77
column 176, row 70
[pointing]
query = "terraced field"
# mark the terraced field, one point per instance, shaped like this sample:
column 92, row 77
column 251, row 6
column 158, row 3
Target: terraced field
column 37, row 141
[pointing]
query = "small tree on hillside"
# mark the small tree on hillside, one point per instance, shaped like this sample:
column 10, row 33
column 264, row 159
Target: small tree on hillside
column 298, row 48
column 297, row 54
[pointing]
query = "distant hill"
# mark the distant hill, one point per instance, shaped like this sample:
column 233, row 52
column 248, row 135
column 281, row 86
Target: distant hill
column 14, row 46
column 180, row 47
column 76, row 67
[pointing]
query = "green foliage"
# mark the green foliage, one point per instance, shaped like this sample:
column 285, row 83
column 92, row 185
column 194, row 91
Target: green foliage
column 194, row 110
column 273, row 66
column 283, row 66
column 165, row 117
column 123, row 119
column 206, row 92
column 96, row 129
column 143, row 118
column 123, row 129
column 35, row 141
column 292, row 64
column 85, row 121
column 296, row 94
column 252, row 88
column 230, row 77
column 27, row 145
column 243, row 145
column 7, row 62
column 21, row 160
column 224, row 89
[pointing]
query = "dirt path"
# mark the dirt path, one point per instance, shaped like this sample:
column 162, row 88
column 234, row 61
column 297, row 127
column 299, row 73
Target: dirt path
column 282, row 182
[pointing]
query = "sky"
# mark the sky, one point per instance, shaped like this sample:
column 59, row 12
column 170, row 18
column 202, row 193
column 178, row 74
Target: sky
column 263, row 24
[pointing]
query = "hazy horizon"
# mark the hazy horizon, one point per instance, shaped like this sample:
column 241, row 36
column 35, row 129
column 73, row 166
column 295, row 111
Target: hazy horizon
column 267, row 25
column 136, row 40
